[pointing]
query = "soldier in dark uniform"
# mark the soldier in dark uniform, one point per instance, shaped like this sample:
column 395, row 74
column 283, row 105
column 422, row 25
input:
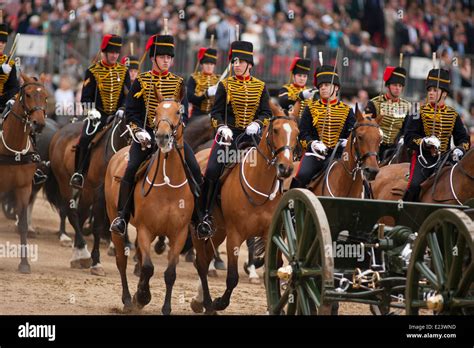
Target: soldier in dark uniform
column 322, row 126
column 133, row 65
column 296, row 89
column 103, row 92
column 140, row 114
column 202, row 85
column 429, row 133
column 9, row 85
column 392, row 108
column 243, row 101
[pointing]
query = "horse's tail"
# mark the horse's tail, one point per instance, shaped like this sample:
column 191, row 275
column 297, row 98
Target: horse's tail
column 51, row 190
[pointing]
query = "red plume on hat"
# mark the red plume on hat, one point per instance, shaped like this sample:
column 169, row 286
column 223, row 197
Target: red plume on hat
column 105, row 41
column 150, row 42
column 201, row 53
column 293, row 63
column 388, row 72
column 124, row 60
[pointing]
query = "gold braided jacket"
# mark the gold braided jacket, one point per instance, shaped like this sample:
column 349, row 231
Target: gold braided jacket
column 169, row 85
column 330, row 126
column 244, row 97
column 4, row 77
column 203, row 82
column 110, row 82
column 293, row 92
column 393, row 114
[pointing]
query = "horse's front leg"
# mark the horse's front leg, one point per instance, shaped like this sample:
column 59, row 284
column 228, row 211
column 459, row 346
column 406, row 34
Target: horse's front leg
column 143, row 295
column 81, row 258
column 204, row 254
column 234, row 240
column 22, row 198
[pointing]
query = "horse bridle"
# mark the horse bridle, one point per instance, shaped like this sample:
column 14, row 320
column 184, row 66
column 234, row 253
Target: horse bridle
column 174, row 127
column 361, row 158
column 25, row 118
column 271, row 145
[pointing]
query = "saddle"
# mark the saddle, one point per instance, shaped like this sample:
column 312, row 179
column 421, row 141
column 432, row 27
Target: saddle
column 318, row 177
column 97, row 137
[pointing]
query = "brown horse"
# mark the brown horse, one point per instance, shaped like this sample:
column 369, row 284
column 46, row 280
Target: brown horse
column 344, row 177
column 17, row 157
column 77, row 205
column 455, row 184
column 163, row 204
column 249, row 196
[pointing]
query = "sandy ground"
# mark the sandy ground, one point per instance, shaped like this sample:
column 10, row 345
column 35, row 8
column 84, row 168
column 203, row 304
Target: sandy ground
column 54, row 288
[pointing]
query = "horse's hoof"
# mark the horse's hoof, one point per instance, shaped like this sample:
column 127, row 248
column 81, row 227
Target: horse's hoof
column 166, row 310
column 197, row 306
column 254, row 280
column 219, row 264
column 65, row 240
column 111, row 251
column 190, row 256
column 136, row 304
column 76, row 264
column 210, row 312
column 212, row 273
column 128, row 306
column 218, row 304
column 98, row 270
column 136, row 270
column 85, row 263
column 160, row 247
column 24, row 268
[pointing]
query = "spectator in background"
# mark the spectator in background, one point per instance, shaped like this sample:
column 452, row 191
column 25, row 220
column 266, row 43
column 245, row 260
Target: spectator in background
column 362, row 99
column 64, row 97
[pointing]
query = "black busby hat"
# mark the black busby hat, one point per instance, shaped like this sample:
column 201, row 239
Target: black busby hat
column 394, row 75
column 326, row 74
column 300, row 66
column 131, row 62
column 438, row 78
column 111, row 43
column 207, row 55
column 242, row 50
column 3, row 32
column 158, row 45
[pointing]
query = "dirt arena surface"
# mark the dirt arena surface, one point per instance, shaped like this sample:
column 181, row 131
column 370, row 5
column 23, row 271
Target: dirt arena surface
column 54, row 288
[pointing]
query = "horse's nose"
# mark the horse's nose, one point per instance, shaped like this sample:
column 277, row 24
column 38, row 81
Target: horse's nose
column 370, row 173
column 283, row 170
column 163, row 138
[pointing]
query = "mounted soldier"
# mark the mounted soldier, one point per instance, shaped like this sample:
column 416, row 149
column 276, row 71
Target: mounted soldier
column 140, row 113
column 240, row 110
column 325, row 122
column 296, row 89
column 105, row 87
column 9, row 85
column 429, row 133
column 392, row 109
column 202, row 85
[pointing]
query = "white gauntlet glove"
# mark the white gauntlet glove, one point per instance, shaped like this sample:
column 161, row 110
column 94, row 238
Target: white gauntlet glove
column 226, row 134
column 342, row 142
column 93, row 115
column 211, row 91
column 308, row 93
column 457, row 154
column 119, row 114
column 432, row 141
column 144, row 138
column 6, row 68
column 252, row 129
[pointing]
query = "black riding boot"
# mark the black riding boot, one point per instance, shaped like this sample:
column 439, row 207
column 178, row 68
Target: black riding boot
column 81, row 162
column 124, row 207
column 205, row 228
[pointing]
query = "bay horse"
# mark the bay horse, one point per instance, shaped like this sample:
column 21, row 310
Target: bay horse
column 165, row 209
column 76, row 205
column 344, row 177
column 18, row 159
column 455, row 184
column 249, row 195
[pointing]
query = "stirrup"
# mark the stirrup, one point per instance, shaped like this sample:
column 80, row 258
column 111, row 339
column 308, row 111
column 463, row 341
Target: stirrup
column 77, row 181
column 205, row 228
column 114, row 226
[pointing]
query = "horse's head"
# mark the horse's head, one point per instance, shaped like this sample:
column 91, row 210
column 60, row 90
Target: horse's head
column 168, row 121
column 366, row 137
column 281, row 137
column 32, row 102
